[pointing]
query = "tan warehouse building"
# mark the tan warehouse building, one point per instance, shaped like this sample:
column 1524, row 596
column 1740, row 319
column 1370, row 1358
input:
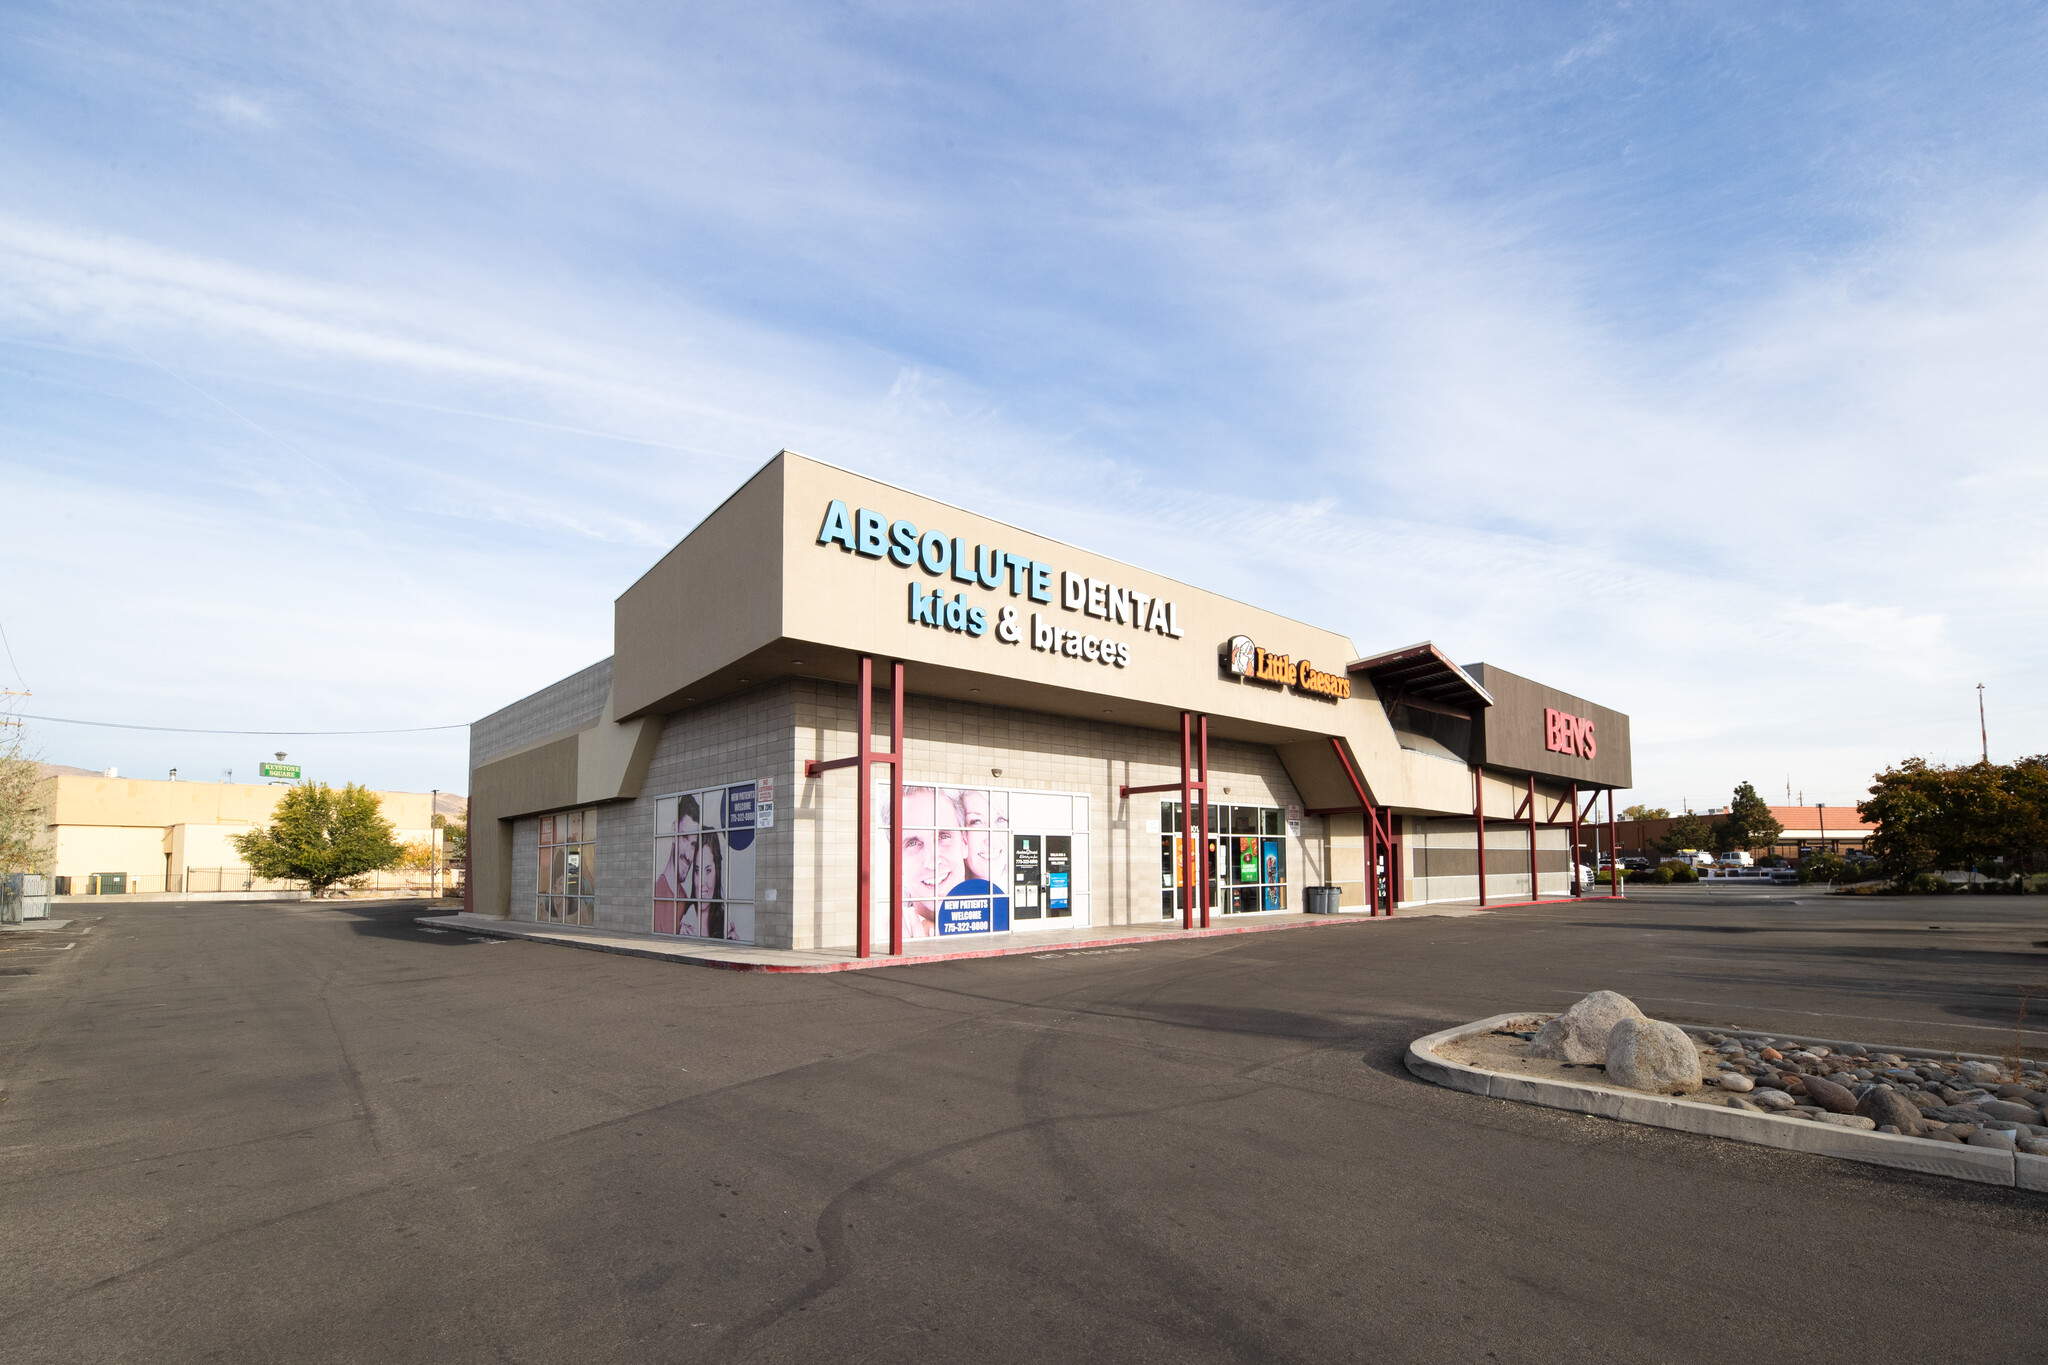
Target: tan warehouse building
column 732, row 771
column 107, row 835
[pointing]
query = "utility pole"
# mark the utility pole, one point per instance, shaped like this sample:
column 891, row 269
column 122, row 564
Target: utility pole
column 434, row 843
column 1982, row 733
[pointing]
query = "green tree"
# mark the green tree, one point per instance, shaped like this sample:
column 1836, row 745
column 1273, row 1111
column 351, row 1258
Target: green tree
column 21, row 810
column 2026, row 789
column 1931, row 817
column 321, row 836
column 1749, row 824
column 454, row 841
column 1689, row 831
column 1645, row 813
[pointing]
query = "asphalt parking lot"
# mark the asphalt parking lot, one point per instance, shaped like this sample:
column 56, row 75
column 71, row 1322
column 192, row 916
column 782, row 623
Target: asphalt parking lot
column 315, row 1132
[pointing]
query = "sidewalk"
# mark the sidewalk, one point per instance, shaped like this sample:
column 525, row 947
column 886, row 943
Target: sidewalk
column 742, row 957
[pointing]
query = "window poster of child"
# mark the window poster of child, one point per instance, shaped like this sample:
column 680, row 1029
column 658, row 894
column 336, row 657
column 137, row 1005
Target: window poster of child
column 956, row 860
column 704, row 845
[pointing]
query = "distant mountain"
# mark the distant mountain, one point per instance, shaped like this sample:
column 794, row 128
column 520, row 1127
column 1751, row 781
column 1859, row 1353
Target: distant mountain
column 63, row 770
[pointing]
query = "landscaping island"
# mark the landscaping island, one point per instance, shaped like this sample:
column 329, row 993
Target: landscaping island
column 1975, row 1117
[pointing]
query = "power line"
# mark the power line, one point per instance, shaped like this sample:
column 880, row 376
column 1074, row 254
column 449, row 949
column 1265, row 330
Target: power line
column 181, row 730
column 10, row 657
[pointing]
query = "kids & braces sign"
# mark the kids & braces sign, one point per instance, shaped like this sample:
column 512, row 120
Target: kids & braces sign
column 949, row 559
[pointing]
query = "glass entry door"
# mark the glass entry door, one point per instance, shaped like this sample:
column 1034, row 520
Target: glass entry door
column 1027, row 871
column 1247, row 860
column 1042, row 876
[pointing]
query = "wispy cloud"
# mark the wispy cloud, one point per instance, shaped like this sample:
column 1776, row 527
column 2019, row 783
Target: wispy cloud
column 1606, row 345
column 239, row 109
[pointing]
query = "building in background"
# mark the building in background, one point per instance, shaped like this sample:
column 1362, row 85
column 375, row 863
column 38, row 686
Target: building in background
column 109, row 835
column 721, row 775
column 1838, row 829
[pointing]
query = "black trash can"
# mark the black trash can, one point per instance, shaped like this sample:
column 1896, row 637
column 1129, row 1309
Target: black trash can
column 1322, row 900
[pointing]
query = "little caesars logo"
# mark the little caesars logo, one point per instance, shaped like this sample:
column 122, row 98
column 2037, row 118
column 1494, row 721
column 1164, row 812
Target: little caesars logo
column 1247, row 660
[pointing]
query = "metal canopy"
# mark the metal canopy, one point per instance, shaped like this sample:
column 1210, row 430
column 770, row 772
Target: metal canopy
column 1422, row 673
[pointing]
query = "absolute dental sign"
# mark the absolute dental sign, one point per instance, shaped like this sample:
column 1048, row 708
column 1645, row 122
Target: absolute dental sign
column 1247, row 660
column 1564, row 733
column 950, row 559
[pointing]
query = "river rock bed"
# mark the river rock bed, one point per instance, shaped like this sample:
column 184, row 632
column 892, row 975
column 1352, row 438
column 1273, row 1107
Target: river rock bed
column 1937, row 1099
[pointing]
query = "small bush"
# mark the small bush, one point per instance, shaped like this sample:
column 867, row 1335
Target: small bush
column 1929, row 884
column 1823, row 866
column 1683, row 872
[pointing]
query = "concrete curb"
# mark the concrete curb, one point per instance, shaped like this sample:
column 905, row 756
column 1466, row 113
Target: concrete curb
column 674, row 951
column 1984, row 1165
column 813, row 961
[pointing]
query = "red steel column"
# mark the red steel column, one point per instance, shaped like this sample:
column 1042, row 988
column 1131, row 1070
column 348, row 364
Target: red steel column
column 1577, row 890
column 864, row 842
column 1202, row 849
column 1613, row 852
column 1190, row 860
column 896, row 809
column 1479, row 827
column 1393, row 846
column 1535, row 887
column 1372, row 861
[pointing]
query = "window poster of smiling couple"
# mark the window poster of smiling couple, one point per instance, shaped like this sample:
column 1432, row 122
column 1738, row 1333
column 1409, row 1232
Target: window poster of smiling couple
column 704, row 863
column 956, row 859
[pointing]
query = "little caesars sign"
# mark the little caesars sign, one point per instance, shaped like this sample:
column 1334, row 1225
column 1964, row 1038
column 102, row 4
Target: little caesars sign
column 950, row 559
column 1247, row 660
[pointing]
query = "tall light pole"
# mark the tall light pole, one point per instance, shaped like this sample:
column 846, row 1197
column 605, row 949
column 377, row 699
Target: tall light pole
column 1982, row 733
column 434, row 843
column 1822, row 807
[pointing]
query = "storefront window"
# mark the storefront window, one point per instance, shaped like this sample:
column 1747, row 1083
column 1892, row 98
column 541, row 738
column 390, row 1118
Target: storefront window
column 985, row 860
column 1247, row 860
column 567, row 886
column 704, row 863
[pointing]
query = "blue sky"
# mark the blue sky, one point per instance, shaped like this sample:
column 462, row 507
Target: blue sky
column 353, row 358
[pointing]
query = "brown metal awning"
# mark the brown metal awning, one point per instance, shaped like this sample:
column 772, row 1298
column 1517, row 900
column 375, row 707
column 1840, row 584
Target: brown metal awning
column 1422, row 673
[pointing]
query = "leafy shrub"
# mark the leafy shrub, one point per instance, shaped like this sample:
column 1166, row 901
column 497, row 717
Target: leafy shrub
column 1823, row 866
column 1683, row 872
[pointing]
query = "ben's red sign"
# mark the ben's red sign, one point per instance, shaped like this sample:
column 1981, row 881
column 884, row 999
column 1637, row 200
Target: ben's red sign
column 1564, row 733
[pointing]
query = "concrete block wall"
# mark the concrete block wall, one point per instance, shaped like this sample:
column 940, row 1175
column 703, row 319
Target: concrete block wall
column 1440, row 860
column 740, row 739
column 808, row 858
column 525, row 868
column 557, row 709
column 737, row 740
column 958, row 743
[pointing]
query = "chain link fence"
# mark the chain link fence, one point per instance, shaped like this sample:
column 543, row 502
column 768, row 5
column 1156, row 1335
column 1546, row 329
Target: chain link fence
column 217, row 880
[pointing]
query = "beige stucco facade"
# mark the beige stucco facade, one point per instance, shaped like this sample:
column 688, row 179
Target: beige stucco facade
column 154, row 833
column 735, row 660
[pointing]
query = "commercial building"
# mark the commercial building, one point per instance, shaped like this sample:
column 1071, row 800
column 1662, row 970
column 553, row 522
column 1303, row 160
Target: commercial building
column 107, row 835
column 825, row 652
column 1838, row 829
